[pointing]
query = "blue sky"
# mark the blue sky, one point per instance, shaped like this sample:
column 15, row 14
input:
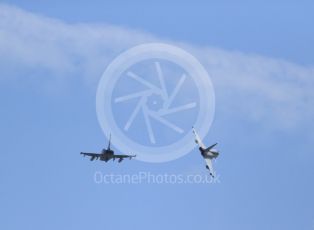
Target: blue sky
column 260, row 60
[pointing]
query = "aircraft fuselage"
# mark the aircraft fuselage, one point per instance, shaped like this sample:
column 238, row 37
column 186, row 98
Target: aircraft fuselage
column 106, row 155
column 210, row 154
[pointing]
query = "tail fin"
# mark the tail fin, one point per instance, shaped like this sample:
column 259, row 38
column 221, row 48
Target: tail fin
column 212, row 146
column 109, row 142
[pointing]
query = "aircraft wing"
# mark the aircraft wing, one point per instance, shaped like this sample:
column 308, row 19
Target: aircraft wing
column 123, row 156
column 198, row 140
column 92, row 155
column 209, row 165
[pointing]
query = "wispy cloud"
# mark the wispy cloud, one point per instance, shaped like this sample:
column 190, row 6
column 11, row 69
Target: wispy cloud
column 33, row 41
column 261, row 88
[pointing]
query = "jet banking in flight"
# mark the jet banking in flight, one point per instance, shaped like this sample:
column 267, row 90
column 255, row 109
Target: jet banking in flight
column 107, row 154
column 207, row 153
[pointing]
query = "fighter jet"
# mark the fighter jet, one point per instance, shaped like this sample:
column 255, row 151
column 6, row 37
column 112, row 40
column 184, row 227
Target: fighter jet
column 207, row 153
column 107, row 154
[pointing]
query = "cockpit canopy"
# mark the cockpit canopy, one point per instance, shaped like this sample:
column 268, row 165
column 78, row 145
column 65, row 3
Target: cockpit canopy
column 107, row 151
column 215, row 152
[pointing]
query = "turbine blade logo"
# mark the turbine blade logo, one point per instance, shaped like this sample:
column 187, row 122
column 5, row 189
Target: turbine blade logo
column 153, row 92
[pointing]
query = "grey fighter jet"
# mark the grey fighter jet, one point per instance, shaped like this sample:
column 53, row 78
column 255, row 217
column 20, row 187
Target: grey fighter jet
column 107, row 154
column 207, row 153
